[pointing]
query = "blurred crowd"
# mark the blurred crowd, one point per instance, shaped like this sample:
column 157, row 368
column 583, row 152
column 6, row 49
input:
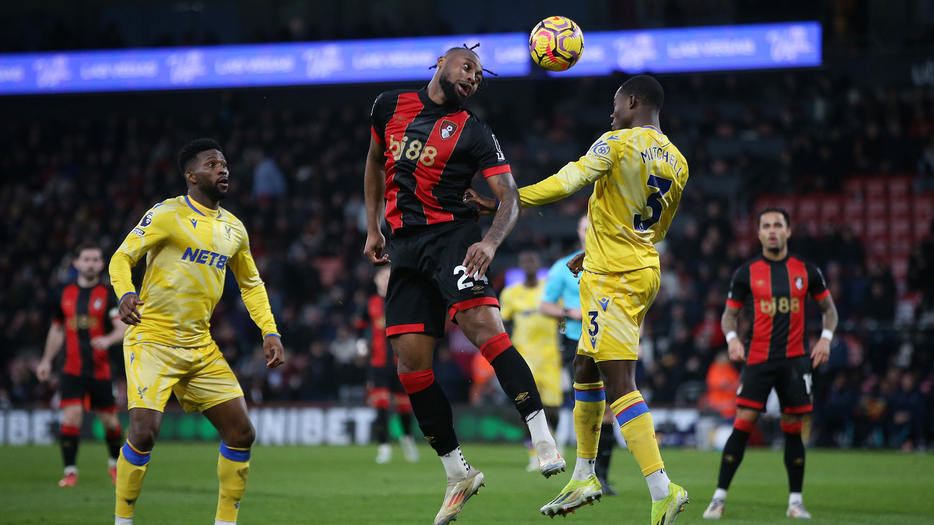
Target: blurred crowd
column 296, row 183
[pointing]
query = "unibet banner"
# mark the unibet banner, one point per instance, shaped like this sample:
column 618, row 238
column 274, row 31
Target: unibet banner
column 333, row 425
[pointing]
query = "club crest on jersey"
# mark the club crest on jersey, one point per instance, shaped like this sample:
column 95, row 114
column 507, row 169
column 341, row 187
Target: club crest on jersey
column 98, row 303
column 799, row 283
column 600, row 149
column 448, row 129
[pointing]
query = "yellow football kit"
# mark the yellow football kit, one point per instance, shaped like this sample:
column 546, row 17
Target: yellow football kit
column 188, row 249
column 638, row 177
column 535, row 336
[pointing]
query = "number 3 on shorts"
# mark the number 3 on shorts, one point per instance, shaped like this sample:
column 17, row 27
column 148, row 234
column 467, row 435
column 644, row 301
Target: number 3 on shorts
column 594, row 327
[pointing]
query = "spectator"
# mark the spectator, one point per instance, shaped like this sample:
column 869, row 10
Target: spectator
column 722, row 383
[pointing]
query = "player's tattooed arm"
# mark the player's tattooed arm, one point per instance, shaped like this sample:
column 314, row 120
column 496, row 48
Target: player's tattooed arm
column 831, row 318
column 821, row 351
column 729, row 324
column 481, row 254
column 508, row 212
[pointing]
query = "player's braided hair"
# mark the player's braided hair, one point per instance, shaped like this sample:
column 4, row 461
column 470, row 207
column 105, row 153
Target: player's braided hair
column 193, row 148
column 471, row 48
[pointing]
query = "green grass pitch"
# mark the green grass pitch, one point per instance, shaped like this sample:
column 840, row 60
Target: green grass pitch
column 342, row 485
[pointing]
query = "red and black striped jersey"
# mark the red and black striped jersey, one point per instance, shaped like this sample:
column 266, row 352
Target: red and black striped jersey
column 432, row 153
column 373, row 317
column 779, row 290
column 86, row 314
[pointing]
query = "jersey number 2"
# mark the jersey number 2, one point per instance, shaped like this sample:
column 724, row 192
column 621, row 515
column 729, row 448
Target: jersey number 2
column 654, row 201
column 464, row 282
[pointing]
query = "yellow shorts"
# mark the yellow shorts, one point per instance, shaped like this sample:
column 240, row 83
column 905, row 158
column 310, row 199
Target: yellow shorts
column 613, row 307
column 548, row 380
column 200, row 377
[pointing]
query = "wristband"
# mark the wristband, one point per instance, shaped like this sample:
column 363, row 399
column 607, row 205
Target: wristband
column 497, row 203
column 827, row 334
column 730, row 336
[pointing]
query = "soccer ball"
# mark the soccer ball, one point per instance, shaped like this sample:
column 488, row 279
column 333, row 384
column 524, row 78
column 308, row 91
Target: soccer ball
column 556, row 43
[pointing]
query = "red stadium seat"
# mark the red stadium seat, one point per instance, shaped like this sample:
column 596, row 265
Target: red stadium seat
column 877, row 209
column 831, row 209
column 853, row 208
column 876, row 188
column 879, row 249
column 854, row 187
column 900, row 229
column 808, row 210
column 899, row 188
column 877, row 230
column 858, row 225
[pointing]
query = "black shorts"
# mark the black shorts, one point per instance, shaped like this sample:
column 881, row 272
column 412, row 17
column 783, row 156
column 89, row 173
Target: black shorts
column 99, row 393
column 791, row 378
column 385, row 377
column 428, row 279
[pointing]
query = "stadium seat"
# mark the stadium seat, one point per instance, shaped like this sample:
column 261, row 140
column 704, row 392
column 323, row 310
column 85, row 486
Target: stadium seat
column 831, row 209
column 854, row 187
column 876, row 189
column 877, row 229
column 899, row 188
column 853, row 208
column 877, row 209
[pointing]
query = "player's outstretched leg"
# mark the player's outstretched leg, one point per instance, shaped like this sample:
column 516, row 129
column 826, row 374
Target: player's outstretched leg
column 636, row 424
column 733, row 453
column 433, row 411
column 518, row 383
column 584, row 487
column 794, row 464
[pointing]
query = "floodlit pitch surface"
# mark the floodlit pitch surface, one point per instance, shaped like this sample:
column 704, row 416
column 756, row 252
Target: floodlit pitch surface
column 343, row 485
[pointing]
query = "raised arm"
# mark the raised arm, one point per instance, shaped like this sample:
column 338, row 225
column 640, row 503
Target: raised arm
column 596, row 163
column 480, row 254
column 374, row 187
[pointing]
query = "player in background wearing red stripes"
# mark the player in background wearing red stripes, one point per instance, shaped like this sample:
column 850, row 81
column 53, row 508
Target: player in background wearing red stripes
column 778, row 285
column 382, row 382
column 424, row 151
column 80, row 320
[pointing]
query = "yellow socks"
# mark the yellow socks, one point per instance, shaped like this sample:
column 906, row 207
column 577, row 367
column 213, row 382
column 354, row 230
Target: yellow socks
column 635, row 421
column 131, row 467
column 589, row 405
column 233, row 468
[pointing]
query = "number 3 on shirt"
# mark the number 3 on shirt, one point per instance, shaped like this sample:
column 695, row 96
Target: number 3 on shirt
column 654, row 201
